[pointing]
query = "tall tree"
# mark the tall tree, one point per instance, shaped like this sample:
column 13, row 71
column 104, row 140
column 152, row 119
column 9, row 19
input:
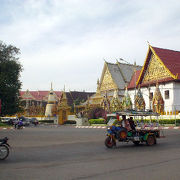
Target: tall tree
column 10, row 84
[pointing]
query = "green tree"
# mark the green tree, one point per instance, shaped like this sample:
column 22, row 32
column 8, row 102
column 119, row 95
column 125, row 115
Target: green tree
column 10, row 84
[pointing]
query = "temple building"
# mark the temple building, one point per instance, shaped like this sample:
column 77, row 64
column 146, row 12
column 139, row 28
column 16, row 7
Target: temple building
column 35, row 103
column 111, row 86
column 158, row 82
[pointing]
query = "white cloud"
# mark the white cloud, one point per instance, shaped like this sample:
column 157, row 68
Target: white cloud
column 65, row 41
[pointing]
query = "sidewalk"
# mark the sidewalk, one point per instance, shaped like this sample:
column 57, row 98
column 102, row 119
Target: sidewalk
column 151, row 128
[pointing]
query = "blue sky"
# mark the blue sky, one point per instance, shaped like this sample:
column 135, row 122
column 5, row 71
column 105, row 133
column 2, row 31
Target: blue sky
column 65, row 41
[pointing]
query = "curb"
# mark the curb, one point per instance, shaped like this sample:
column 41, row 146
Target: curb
column 104, row 127
column 92, row 127
column 6, row 128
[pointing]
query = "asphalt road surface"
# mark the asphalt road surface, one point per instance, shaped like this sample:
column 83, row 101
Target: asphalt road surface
column 66, row 152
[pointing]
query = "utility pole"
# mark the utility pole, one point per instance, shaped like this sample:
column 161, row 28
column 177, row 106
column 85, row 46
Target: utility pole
column 149, row 97
column 135, row 76
column 135, row 84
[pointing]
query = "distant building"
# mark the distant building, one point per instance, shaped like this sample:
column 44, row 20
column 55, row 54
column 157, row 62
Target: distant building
column 34, row 102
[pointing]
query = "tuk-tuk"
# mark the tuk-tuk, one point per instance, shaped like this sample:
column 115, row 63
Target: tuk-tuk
column 124, row 130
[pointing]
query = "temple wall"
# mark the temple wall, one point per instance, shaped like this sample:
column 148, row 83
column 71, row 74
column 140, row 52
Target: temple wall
column 171, row 104
column 177, row 95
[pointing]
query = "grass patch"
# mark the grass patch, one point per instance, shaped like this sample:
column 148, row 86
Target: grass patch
column 4, row 125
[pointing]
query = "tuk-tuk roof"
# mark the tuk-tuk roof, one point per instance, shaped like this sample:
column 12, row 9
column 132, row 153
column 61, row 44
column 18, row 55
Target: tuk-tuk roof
column 137, row 113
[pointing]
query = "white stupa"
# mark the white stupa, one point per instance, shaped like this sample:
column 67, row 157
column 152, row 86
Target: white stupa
column 51, row 100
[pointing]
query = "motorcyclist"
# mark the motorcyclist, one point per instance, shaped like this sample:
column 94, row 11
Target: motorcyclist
column 20, row 123
column 16, row 122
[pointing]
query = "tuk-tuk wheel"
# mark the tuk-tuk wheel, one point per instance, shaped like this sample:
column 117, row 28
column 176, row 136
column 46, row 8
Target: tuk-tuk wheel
column 109, row 142
column 151, row 140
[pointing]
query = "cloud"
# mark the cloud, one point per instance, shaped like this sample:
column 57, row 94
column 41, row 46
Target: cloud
column 66, row 41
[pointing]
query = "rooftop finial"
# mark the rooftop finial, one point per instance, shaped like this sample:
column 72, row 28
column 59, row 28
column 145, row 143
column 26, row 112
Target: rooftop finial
column 51, row 85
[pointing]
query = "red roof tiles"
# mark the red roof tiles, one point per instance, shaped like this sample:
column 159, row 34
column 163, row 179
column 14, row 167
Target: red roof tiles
column 39, row 95
column 134, row 78
column 171, row 60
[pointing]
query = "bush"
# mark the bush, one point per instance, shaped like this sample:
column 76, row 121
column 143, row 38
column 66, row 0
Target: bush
column 70, row 122
column 161, row 121
column 46, row 121
column 4, row 125
column 96, row 121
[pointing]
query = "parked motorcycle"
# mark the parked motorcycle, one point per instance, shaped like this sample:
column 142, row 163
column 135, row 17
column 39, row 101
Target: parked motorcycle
column 4, row 148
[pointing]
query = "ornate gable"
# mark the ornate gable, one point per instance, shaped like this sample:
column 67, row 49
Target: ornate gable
column 155, row 70
column 107, row 82
column 27, row 95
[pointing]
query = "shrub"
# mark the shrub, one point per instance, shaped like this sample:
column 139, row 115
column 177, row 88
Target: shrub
column 4, row 125
column 46, row 121
column 161, row 121
column 70, row 122
column 96, row 121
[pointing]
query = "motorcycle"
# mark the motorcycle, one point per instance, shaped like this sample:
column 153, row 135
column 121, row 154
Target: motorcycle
column 18, row 125
column 4, row 148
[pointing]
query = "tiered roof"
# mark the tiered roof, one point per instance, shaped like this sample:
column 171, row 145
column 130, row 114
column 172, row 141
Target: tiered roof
column 121, row 73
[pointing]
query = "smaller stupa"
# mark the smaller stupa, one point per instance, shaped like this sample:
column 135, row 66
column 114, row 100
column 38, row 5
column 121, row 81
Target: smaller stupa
column 158, row 102
column 139, row 101
column 50, row 104
column 63, row 109
column 115, row 104
column 126, row 101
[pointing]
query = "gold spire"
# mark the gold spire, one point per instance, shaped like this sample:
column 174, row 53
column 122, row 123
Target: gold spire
column 51, row 86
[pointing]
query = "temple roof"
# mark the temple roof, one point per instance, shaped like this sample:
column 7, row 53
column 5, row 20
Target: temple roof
column 133, row 79
column 121, row 73
column 169, row 59
column 37, row 95
column 76, row 95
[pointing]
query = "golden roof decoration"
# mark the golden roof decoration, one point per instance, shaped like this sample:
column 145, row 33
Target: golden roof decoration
column 126, row 101
column 115, row 104
column 158, row 102
column 105, row 104
column 139, row 101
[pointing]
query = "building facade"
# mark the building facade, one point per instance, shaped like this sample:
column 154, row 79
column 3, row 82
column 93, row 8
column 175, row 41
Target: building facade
column 158, row 78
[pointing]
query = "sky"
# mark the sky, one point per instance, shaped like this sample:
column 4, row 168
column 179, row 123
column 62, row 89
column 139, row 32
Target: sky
column 66, row 41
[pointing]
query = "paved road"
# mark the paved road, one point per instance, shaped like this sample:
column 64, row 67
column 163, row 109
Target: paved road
column 68, row 153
